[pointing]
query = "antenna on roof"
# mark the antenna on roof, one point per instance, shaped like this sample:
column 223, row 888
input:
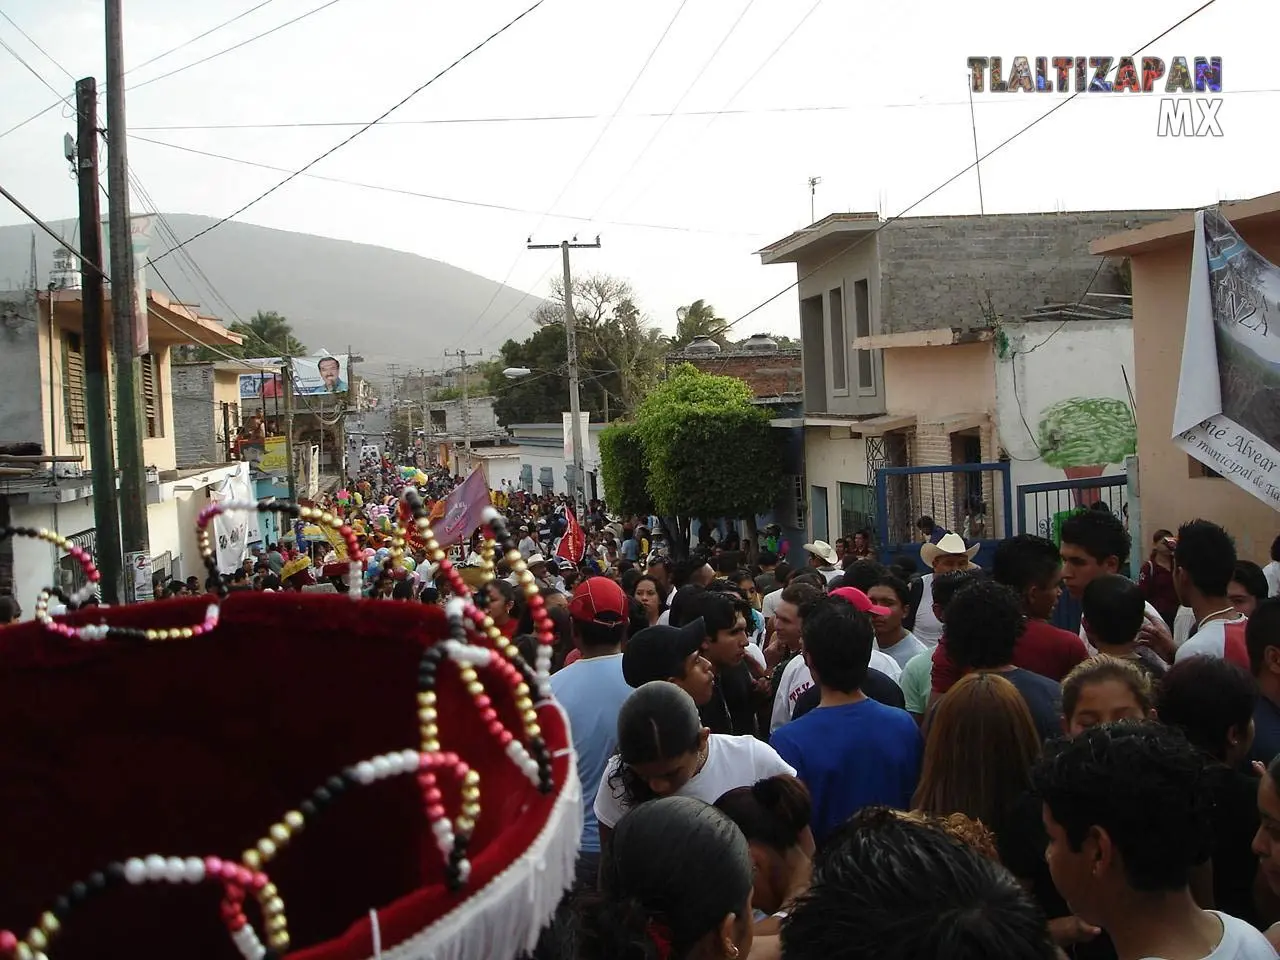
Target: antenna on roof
column 813, row 192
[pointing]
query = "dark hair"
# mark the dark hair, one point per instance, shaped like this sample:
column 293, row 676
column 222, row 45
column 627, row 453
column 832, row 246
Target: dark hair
column 862, row 573
column 676, row 864
column 10, row 609
column 801, row 594
column 926, row 525
column 271, row 582
column 685, row 569
column 1208, row 555
column 239, row 576
column 628, row 578
column 948, row 585
column 1099, row 534
column 403, row 590
column 639, row 618
column 659, row 721
column 1207, row 697
column 809, row 576
column 984, row 622
column 741, row 574
column 767, row 558
column 905, row 566
column 503, row 587
column 597, row 635
column 1250, row 576
column 1025, row 561
column 1146, row 786
column 838, row 642
column 1161, row 534
column 641, row 579
column 897, row 888
column 897, row 586
column 1114, row 608
column 334, row 360
column 782, row 572
column 773, row 812
column 1262, row 631
column 682, row 603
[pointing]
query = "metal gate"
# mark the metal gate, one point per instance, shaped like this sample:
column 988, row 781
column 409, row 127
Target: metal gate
column 1043, row 506
column 971, row 499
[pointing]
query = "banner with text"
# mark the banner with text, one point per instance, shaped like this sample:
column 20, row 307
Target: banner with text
column 1228, row 409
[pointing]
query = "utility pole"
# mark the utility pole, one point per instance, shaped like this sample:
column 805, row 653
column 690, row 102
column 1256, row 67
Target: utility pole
column 226, row 430
column 813, row 196
column 97, row 395
column 286, row 383
column 466, row 398
column 571, row 342
column 127, row 333
column 426, row 421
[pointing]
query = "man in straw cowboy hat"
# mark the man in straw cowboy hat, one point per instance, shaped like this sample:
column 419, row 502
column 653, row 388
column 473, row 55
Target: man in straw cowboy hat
column 824, row 559
column 949, row 554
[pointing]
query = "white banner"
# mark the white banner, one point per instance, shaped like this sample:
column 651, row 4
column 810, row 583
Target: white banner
column 231, row 531
column 1227, row 416
column 140, row 228
column 583, row 420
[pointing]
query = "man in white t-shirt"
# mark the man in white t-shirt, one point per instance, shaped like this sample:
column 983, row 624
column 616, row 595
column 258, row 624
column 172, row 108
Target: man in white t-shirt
column 1203, row 564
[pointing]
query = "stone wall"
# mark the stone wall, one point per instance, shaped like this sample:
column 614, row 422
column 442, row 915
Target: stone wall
column 950, row 271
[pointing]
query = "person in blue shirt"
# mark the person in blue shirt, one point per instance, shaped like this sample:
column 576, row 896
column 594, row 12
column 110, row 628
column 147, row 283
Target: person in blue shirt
column 851, row 751
column 592, row 690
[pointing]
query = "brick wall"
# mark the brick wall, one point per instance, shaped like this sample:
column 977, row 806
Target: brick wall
column 195, row 430
column 942, row 271
column 768, row 374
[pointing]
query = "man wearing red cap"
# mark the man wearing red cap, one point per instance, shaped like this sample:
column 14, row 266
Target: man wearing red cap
column 591, row 690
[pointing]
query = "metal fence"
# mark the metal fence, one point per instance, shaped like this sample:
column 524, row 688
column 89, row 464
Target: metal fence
column 1043, row 506
column 972, row 499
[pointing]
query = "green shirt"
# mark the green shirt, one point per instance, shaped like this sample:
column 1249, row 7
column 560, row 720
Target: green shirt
column 917, row 682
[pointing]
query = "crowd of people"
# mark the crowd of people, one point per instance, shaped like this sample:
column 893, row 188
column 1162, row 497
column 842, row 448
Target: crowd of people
column 844, row 759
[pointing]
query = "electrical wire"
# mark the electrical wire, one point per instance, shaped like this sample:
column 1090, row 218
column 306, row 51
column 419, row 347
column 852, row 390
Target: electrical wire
column 680, row 100
column 237, row 46
column 438, row 197
column 53, row 233
column 952, row 179
column 195, row 39
column 262, row 196
column 42, row 50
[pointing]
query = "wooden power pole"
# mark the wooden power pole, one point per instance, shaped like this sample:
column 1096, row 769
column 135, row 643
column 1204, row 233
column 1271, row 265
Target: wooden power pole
column 97, row 393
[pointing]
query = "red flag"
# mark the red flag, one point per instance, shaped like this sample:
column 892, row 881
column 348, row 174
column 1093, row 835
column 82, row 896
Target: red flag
column 463, row 509
column 573, row 544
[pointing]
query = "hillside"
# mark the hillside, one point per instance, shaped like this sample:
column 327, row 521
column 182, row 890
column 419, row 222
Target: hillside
column 391, row 306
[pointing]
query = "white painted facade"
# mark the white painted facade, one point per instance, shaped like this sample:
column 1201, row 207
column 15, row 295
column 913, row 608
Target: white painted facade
column 832, row 458
column 543, row 458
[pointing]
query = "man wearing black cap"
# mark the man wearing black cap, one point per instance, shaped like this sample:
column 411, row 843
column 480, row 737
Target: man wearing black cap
column 592, row 690
column 673, row 654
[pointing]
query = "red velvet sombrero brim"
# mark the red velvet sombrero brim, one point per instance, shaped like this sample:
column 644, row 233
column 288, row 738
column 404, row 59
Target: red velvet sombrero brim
column 122, row 749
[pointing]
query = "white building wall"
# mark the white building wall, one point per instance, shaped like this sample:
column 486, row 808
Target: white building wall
column 831, row 457
column 35, row 562
column 551, row 453
column 1053, row 363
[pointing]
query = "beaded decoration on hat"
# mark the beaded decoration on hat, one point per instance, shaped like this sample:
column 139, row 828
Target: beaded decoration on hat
column 497, row 854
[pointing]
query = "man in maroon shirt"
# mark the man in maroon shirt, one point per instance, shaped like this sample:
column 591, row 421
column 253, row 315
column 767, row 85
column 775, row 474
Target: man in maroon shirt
column 1032, row 568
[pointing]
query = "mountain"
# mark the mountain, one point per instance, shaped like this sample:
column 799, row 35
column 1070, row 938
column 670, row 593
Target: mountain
column 390, row 306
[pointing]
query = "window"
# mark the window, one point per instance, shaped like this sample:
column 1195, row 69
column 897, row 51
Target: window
column 839, row 348
column 73, row 387
column 70, row 575
column 818, row 512
column 862, row 328
column 439, row 420
column 152, row 415
column 856, row 500
column 814, row 356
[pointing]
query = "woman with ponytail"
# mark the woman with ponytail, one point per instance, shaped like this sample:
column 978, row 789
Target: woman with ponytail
column 675, row 885
column 774, row 815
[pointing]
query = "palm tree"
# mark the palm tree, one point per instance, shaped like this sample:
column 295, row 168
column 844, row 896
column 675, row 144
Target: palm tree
column 696, row 320
column 269, row 329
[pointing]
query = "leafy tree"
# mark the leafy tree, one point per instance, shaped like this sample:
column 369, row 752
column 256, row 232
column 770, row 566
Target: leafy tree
column 705, row 451
column 699, row 319
column 622, row 466
column 266, row 334
column 619, row 356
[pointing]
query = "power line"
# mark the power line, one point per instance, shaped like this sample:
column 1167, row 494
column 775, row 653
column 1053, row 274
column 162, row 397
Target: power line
column 42, row 50
column 237, row 46
column 51, row 232
column 195, row 39
column 262, row 196
column 952, row 179
column 572, row 178
column 35, row 73
column 1012, row 100
column 438, row 197
column 667, row 119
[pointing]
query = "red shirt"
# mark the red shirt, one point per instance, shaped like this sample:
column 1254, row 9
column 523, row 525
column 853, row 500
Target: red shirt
column 1042, row 648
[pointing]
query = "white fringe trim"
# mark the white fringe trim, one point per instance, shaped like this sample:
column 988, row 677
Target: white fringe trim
column 505, row 919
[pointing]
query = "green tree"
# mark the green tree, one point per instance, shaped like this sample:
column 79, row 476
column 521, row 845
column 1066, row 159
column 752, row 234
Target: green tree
column 622, row 467
column 266, row 334
column 699, row 319
column 705, row 451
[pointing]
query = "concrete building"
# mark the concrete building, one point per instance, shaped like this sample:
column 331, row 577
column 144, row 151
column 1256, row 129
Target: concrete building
column 42, row 408
column 1174, row 487
column 911, row 331
column 546, row 463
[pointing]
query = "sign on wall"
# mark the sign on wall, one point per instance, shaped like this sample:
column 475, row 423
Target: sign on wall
column 312, row 377
column 140, row 231
column 1227, row 414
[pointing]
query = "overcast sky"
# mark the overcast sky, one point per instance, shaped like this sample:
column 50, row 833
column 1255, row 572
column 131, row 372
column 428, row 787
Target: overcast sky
column 894, row 76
